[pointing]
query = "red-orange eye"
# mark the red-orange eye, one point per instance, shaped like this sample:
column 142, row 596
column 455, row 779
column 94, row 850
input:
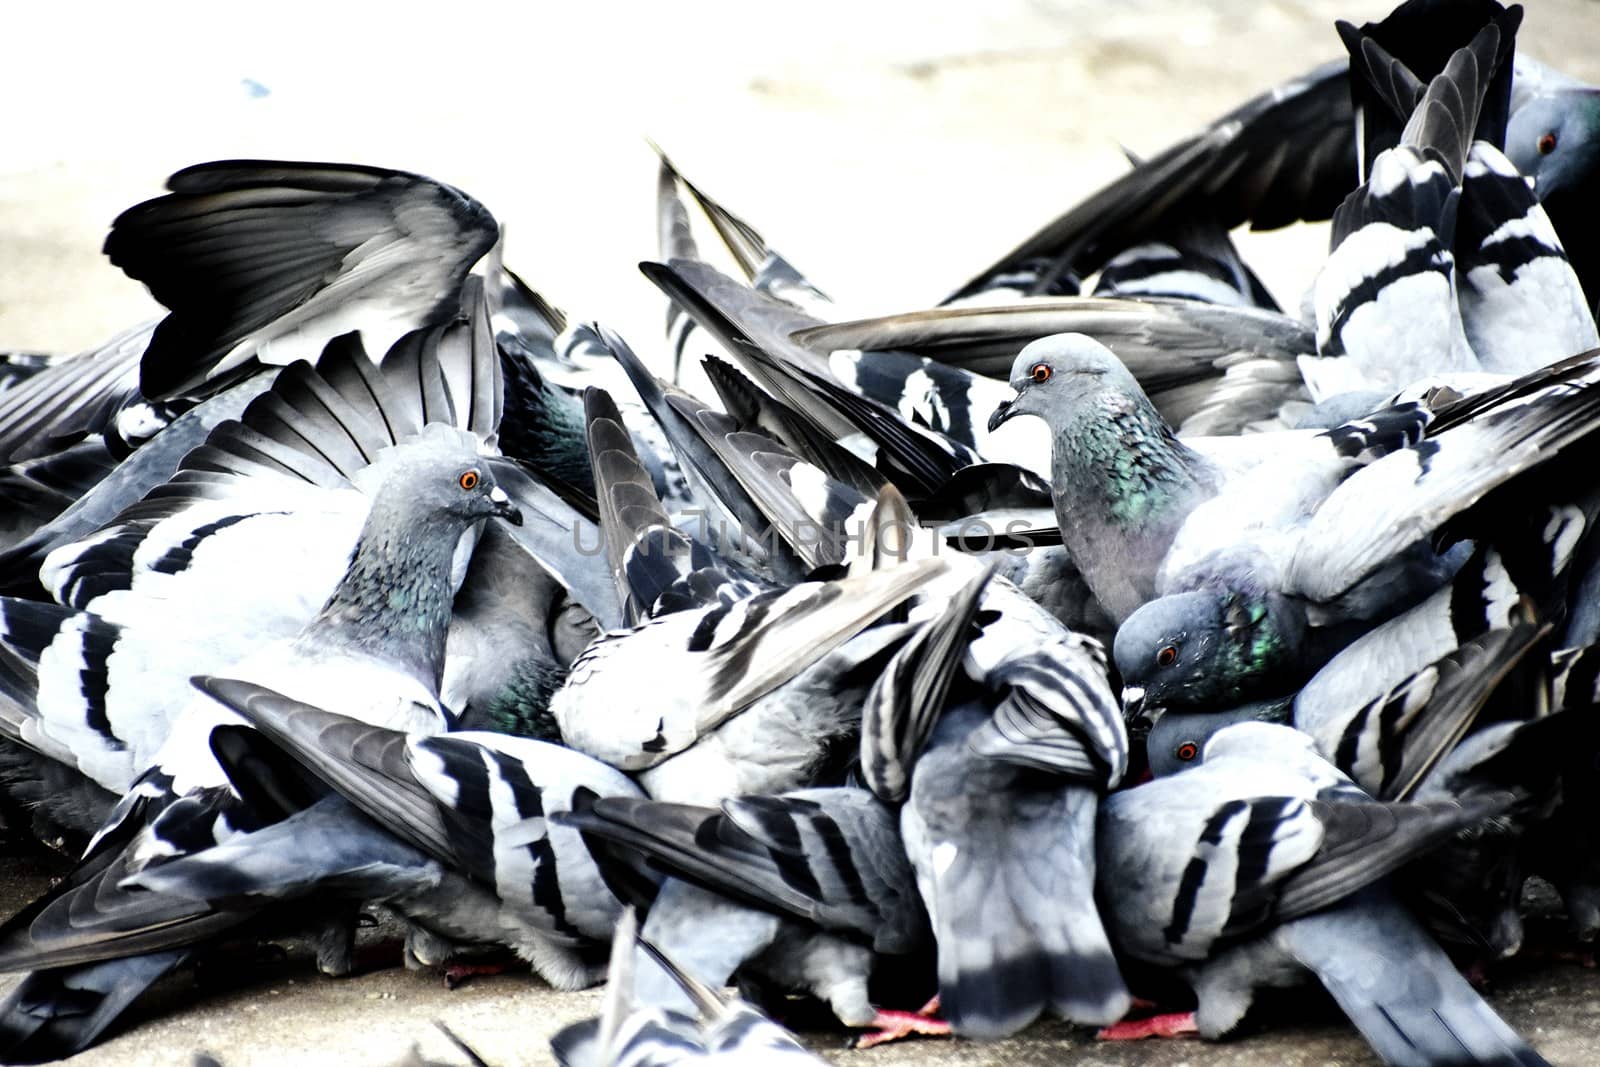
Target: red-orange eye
column 1166, row 657
column 1187, row 751
column 1547, row 144
column 468, row 480
column 1041, row 373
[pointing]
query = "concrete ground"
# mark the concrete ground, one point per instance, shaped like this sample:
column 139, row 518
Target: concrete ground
column 888, row 149
column 263, row 1008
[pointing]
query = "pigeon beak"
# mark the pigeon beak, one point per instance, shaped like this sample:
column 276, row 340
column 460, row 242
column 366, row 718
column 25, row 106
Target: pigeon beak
column 1001, row 414
column 1133, row 703
column 504, row 508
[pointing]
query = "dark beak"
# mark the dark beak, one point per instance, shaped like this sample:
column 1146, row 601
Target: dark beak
column 1001, row 414
column 504, row 508
column 1134, row 714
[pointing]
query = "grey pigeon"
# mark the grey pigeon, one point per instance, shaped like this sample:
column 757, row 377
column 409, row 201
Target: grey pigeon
column 381, row 662
column 1124, row 486
column 760, row 680
column 1001, row 779
column 267, row 510
column 804, row 890
column 765, row 682
column 1131, row 481
column 478, row 803
column 1356, row 548
column 377, row 645
column 1522, row 306
column 266, row 258
column 1262, row 864
column 1385, row 300
column 1551, row 138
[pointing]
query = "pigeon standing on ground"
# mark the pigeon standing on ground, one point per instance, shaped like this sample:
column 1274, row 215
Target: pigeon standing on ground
column 808, row 889
column 1261, row 863
column 482, row 804
column 377, row 646
column 1001, row 776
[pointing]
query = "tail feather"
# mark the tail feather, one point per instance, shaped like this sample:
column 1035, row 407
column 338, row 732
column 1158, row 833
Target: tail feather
column 1400, row 989
column 1022, row 936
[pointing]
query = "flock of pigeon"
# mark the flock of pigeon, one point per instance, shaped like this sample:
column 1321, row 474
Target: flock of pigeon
column 365, row 579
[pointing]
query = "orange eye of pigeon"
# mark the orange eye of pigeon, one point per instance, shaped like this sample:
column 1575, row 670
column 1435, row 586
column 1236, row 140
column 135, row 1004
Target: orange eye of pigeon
column 468, row 480
column 1040, row 373
column 1547, row 144
column 1166, row 657
column 1187, row 751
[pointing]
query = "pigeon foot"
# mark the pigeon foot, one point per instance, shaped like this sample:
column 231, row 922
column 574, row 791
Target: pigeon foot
column 1174, row 1024
column 458, row 974
column 890, row 1026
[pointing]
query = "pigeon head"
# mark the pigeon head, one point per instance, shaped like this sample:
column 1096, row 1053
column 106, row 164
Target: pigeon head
column 1053, row 372
column 440, row 474
column 1555, row 139
column 1178, row 739
column 1207, row 649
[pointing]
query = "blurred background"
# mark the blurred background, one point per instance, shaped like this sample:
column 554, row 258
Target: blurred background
column 888, row 149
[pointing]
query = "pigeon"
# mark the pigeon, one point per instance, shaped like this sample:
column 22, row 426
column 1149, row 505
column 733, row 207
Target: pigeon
column 1508, row 259
column 1114, row 453
column 808, row 888
column 1176, row 738
column 1261, row 863
column 278, row 485
column 355, row 646
column 1354, row 550
column 376, row 646
column 715, row 1029
column 765, row 679
column 1124, row 487
column 481, row 804
column 1468, row 889
column 1551, row 138
column 759, row 688
column 1385, row 300
column 1000, row 775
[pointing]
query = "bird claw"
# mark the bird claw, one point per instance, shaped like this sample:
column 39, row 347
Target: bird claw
column 1173, row 1024
column 890, row 1026
column 458, row 974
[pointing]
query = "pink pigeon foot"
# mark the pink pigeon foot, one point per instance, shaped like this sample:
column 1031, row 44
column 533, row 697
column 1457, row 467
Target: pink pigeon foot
column 1174, row 1024
column 890, row 1026
column 458, row 974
